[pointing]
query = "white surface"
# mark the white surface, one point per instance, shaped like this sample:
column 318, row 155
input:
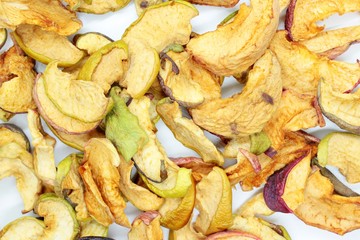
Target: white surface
column 113, row 25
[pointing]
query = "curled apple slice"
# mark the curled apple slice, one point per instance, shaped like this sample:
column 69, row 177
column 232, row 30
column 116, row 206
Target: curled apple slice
column 45, row 46
column 91, row 41
column 185, row 233
column 247, row 112
column 234, row 47
column 24, row 228
column 49, row 15
column 146, row 226
column 341, row 108
column 93, row 228
column 302, row 15
column 11, row 133
column 340, row 150
column 199, row 168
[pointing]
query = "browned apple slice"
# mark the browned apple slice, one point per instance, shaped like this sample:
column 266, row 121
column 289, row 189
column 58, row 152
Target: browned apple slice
column 302, row 15
column 325, row 209
column 16, row 79
column 50, row 15
column 234, row 47
column 247, row 112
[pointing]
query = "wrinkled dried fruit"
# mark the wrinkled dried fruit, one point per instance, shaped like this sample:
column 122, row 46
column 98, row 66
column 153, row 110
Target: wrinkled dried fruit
column 96, row 6
column 10, row 133
column 341, row 150
column 106, row 65
column 326, row 210
column 234, row 47
column 91, row 41
column 302, row 15
column 232, row 234
column 341, row 108
column 3, row 37
column 259, row 143
column 24, row 228
column 146, row 226
column 50, row 15
column 198, row 167
column 141, row 5
column 93, row 228
column 215, row 211
column 16, row 79
column 59, row 217
column 185, row 233
column 45, row 46
column 247, row 112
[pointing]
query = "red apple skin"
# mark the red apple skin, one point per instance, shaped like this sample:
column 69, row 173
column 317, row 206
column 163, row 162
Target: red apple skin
column 289, row 18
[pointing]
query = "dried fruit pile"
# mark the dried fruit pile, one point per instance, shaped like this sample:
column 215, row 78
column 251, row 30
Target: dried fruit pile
column 104, row 98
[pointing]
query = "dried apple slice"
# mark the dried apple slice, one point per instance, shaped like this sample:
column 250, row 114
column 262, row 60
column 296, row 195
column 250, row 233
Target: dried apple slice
column 53, row 116
column 59, row 217
column 247, row 112
column 3, row 37
column 215, row 211
column 45, row 46
column 44, row 159
column 146, row 226
column 106, row 65
column 96, row 6
column 192, row 84
column 341, row 108
column 259, row 143
column 123, row 127
column 217, row 3
column 141, row 5
column 91, row 41
column 92, row 228
column 139, row 196
column 334, row 42
column 284, row 190
column 198, row 167
column 28, row 184
column 145, row 40
column 95, row 204
column 324, row 209
column 5, row 116
column 24, row 228
column 103, row 160
column 16, row 79
column 234, row 47
column 187, row 132
column 82, row 100
column 49, row 15
column 185, row 233
column 302, row 15
column 10, row 133
column 340, row 150
column 13, row 150
column 69, row 185
column 176, row 212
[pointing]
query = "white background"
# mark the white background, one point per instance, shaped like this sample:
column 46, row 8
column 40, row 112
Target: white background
column 113, row 25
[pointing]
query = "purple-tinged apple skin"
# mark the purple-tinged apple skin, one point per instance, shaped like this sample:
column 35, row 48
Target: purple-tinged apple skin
column 289, row 18
column 275, row 187
column 147, row 217
column 232, row 233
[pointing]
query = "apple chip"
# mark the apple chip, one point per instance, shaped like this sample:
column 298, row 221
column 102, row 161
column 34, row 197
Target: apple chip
column 3, row 37
column 44, row 160
column 188, row 133
column 28, row 184
column 334, row 42
column 24, row 228
column 236, row 46
column 198, row 167
column 95, row 204
column 59, row 217
column 13, row 150
column 69, row 185
column 247, row 112
column 106, row 65
column 176, row 212
column 146, row 226
column 46, row 46
column 326, row 210
column 149, row 35
column 341, row 108
column 92, row 228
column 123, row 128
column 91, row 41
column 96, row 6
column 103, row 160
column 296, row 111
column 139, row 196
column 191, row 85
column 52, row 114
column 284, row 190
column 186, row 232
column 141, row 5
column 82, row 100
column 341, row 150
column 50, row 15
column 215, row 211
column 10, row 133
column 302, row 15
column 16, row 79
column 232, row 147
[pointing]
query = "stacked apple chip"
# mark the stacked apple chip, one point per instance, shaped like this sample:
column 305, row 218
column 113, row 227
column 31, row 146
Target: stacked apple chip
column 105, row 98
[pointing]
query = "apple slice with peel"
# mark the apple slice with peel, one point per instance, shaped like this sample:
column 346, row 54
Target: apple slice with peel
column 233, row 235
column 146, row 226
column 11, row 133
column 23, row 228
column 284, row 190
column 91, row 41
column 91, row 228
